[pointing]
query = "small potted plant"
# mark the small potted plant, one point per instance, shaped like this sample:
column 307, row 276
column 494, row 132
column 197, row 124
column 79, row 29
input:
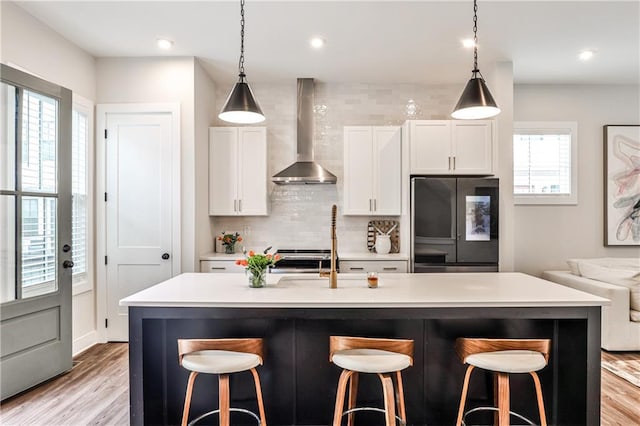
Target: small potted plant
column 256, row 265
column 229, row 241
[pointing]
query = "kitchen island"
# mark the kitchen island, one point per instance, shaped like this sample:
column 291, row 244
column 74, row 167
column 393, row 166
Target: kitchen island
column 296, row 315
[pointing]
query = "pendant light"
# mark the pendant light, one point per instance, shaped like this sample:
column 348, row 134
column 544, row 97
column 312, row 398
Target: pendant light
column 476, row 101
column 241, row 106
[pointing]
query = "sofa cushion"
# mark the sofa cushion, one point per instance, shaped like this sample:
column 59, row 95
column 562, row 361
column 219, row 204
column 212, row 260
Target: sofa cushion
column 627, row 263
column 624, row 277
column 635, row 315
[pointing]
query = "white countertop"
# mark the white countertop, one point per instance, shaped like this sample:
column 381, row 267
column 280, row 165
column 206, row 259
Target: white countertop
column 342, row 256
column 500, row 289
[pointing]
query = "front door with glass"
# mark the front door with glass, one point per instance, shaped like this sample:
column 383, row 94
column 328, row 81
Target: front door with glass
column 35, row 231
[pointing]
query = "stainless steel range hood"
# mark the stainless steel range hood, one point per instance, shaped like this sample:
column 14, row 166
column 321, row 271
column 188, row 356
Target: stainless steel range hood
column 305, row 170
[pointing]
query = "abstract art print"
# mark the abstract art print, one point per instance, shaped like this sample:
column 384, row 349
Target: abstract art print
column 621, row 185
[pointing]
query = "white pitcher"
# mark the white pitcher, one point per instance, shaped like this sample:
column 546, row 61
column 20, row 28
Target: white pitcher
column 383, row 243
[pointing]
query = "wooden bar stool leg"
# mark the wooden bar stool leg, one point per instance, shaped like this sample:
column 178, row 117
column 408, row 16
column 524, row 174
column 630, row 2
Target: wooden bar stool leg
column 342, row 390
column 353, row 396
column 389, row 402
column 463, row 397
column 536, row 381
column 503, row 399
column 187, row 398
column 223, row 394
column 400, row 397
column 256, row 380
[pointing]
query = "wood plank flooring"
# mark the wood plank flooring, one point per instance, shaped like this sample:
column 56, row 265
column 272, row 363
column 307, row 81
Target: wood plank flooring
column 95, row 392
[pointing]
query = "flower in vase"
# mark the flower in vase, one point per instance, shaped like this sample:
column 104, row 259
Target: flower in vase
column 229, row 241
column 256, row 265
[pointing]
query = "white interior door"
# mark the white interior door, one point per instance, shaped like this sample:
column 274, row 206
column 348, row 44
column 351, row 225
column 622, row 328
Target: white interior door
column 138, row 209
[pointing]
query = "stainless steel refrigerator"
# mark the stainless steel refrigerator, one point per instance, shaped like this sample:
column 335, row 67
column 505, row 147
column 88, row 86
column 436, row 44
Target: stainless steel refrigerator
column 454, row 224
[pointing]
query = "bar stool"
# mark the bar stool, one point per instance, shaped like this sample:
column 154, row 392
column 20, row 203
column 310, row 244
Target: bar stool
column 384, row 357
column 503, row 357
column 221, row 357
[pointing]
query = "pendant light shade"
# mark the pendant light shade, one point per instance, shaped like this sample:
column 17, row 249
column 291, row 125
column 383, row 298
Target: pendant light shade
column 241, row 106
column 476, row 101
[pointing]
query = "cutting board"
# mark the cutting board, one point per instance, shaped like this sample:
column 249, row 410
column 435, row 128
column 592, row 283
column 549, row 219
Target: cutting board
column 384, row 226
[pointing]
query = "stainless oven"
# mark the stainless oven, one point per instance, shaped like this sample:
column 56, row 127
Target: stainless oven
column 297, row 261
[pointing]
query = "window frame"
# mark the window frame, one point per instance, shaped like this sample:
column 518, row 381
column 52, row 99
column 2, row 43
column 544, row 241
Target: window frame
column 84, row 282
column 539, row 127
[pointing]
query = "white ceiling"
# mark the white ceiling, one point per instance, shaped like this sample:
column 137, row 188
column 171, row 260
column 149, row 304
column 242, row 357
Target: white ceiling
column 367, row 41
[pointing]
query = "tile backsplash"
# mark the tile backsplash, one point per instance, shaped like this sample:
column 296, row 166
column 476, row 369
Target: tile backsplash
column 300, row 215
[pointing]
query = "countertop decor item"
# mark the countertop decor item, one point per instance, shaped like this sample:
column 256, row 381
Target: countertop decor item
column 384, row 227
column 241, row 106
column 476, row 101
column 229, row 241
column 256, row 265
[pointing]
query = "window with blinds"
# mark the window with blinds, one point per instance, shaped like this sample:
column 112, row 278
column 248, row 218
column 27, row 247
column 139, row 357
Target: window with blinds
column 544, row 163
column 39, row 134
column 79, row 231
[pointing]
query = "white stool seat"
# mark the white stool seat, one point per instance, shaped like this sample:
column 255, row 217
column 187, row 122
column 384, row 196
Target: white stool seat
column 219, row 362
column 371, row 360
column 513, row 361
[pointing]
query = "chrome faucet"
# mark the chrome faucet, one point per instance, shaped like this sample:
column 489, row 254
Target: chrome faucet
column 333, row 273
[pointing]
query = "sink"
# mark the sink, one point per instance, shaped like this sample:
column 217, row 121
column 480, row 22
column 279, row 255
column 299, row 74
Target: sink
column 344, row 280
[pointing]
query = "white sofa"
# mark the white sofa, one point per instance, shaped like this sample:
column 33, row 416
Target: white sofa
column 620, row 323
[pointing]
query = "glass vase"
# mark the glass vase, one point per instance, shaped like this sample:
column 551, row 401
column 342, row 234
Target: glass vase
column 230, row 248
column 257, row 279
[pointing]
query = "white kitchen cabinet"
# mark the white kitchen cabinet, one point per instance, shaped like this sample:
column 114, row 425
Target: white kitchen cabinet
column 451, row 147
column 372, row 170
column 237, row 171
column 380, row 266
column 221, row 266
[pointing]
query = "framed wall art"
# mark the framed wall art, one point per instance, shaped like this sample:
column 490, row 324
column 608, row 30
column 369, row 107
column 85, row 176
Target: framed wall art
column 622, row 185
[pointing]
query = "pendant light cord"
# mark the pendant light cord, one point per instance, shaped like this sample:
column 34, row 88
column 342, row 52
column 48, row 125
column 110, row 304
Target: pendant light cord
column 475, row 36
column 241, row 61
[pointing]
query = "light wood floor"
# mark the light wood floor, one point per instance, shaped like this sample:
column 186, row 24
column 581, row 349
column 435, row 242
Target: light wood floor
column 95, row 392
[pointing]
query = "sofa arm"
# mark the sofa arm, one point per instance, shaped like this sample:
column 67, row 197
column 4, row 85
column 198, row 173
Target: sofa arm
column 619, row 296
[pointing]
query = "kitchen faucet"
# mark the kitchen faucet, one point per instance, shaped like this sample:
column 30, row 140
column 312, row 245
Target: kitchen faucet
column 333, row 273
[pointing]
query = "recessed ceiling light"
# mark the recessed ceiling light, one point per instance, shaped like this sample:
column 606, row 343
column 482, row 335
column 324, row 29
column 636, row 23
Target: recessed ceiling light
column 468, row 43
column 164, row 43
column 585, row 55
column 317, row 42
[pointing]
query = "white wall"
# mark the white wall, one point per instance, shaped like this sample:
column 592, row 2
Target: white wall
column 205, row 113
column 34, row 47
column 28, row 44
column 160, row 80
column 546, row 236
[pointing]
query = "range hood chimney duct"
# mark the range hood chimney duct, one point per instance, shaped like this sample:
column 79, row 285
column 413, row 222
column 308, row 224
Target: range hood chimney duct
column 305, row 170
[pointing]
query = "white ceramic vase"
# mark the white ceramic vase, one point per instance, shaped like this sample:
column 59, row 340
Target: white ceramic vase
column 383, row 244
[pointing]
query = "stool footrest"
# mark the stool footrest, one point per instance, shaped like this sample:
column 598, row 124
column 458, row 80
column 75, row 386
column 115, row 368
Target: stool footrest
column 511, row 413
column 379, row 410
column 238, row 410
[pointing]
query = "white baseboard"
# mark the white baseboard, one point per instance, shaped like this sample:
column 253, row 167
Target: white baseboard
column 83, row 343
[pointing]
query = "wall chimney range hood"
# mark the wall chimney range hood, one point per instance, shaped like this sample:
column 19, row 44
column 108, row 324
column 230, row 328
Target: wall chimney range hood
column 305, row 170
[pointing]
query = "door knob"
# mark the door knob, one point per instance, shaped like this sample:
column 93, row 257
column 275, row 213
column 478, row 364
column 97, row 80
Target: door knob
column 67, row 264
column 165, row 256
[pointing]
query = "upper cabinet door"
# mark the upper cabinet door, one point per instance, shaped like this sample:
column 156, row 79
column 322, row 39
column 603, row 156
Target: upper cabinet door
column 237, row 171
column 223, row 154
column 472, row 143
column 430, row 146
column 358, row 170
column 252, row 171
column 372, row 170
column 387, row 180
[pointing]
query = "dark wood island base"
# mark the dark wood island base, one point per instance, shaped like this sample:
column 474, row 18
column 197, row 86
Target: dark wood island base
column 299, row 383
